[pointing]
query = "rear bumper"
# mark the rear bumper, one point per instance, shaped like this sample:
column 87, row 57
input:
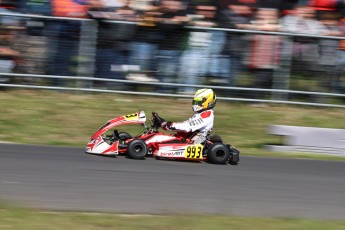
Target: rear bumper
column 234, row 154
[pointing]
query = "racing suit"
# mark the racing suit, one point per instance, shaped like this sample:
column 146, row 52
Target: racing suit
column 201, row 123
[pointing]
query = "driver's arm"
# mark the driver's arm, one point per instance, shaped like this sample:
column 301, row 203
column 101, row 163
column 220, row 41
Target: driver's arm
column 196, row 122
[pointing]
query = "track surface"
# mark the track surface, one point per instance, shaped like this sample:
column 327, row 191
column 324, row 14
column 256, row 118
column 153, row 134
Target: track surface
column 67, row 179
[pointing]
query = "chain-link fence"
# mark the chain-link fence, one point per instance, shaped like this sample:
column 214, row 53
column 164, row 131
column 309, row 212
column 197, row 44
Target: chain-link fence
column 132, row 58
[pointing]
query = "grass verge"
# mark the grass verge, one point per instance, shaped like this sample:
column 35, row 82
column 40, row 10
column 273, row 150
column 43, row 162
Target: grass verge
column 19, row 218
column 56, row 118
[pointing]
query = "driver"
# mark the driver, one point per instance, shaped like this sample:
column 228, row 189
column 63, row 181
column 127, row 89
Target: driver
column 200, row 123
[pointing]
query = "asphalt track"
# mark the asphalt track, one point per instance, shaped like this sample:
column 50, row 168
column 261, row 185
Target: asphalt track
column 67, row 179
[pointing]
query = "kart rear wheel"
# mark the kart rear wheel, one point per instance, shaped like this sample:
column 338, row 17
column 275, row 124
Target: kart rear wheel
column 137, row 149
column 218, row 154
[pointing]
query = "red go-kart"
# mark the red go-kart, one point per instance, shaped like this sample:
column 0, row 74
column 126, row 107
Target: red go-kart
column 159, row 145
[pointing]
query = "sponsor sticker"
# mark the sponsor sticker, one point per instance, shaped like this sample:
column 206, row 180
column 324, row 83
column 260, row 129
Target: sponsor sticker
column 172, row 153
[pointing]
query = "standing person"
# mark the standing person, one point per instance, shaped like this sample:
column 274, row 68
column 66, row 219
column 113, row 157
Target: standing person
column 9, row 50
column 195, row 59
column 171, row 25
column 63, row 38
column 145, row 45
column 236, row 16
column 328, row 49
column 338, row 82
column 34, row 45
column 113, row 40
column 265, row 50
column 305, row 50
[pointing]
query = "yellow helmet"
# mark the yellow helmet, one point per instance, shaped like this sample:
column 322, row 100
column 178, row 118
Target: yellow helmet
column 204, row 99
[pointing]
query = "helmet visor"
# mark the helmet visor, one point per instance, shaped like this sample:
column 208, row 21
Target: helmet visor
column 197, row 102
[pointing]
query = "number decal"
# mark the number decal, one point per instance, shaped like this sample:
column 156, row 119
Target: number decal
column 193, row 151
column 132, row 116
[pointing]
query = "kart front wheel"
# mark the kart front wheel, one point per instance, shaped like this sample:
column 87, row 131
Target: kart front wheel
column 137, row 149
column 218, row 154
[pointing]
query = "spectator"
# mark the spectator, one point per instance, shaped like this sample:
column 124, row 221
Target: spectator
column 218, row 65
column 171, row 25
column 9, row 57
column 236, row 16
column 264, row 53
column 328, row 50
column 194, row 60
column 9, row 28
column 305, row 51
column 144, row 47
column 113, row 40
column 63, row 38
column 302, row 20
column 33, row 45
column 338, row 82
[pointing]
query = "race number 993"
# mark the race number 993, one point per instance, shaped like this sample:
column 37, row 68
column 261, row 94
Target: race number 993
column 193, row 151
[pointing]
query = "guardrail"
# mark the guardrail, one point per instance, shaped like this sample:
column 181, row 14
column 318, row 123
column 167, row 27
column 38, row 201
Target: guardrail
column 308, row 139
column 85, row 89
column 279, row 94
column 188, row 27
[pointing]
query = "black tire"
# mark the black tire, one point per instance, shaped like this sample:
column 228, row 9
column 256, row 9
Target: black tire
column 137, row 149
column 124, row 136
column 216, row 139
column 218, row 154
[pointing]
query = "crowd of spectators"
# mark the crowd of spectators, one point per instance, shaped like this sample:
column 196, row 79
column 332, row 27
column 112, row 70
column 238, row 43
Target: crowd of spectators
column 157, row 43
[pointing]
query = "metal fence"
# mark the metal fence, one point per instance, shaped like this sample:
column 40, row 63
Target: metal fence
column 75, row 55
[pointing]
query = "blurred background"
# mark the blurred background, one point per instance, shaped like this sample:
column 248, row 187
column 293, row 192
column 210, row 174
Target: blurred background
column 256, row 50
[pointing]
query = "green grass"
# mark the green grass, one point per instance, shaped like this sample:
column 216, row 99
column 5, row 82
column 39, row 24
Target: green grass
column 55, row 118
column 21, row 218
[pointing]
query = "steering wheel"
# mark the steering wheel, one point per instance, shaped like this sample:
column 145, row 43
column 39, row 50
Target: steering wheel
column 155, row 120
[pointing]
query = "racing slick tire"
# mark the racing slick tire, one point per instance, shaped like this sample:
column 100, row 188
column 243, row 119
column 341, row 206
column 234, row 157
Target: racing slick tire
column 218, row 154
column 137, row 149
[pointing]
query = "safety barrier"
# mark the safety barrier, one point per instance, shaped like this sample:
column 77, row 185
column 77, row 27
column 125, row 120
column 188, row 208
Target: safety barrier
column 282, row 91
column 308, row 139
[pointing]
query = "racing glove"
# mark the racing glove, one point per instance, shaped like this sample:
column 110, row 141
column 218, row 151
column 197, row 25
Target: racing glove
column 160, row 122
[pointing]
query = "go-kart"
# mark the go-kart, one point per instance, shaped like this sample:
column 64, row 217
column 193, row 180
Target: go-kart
column 160, row 145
